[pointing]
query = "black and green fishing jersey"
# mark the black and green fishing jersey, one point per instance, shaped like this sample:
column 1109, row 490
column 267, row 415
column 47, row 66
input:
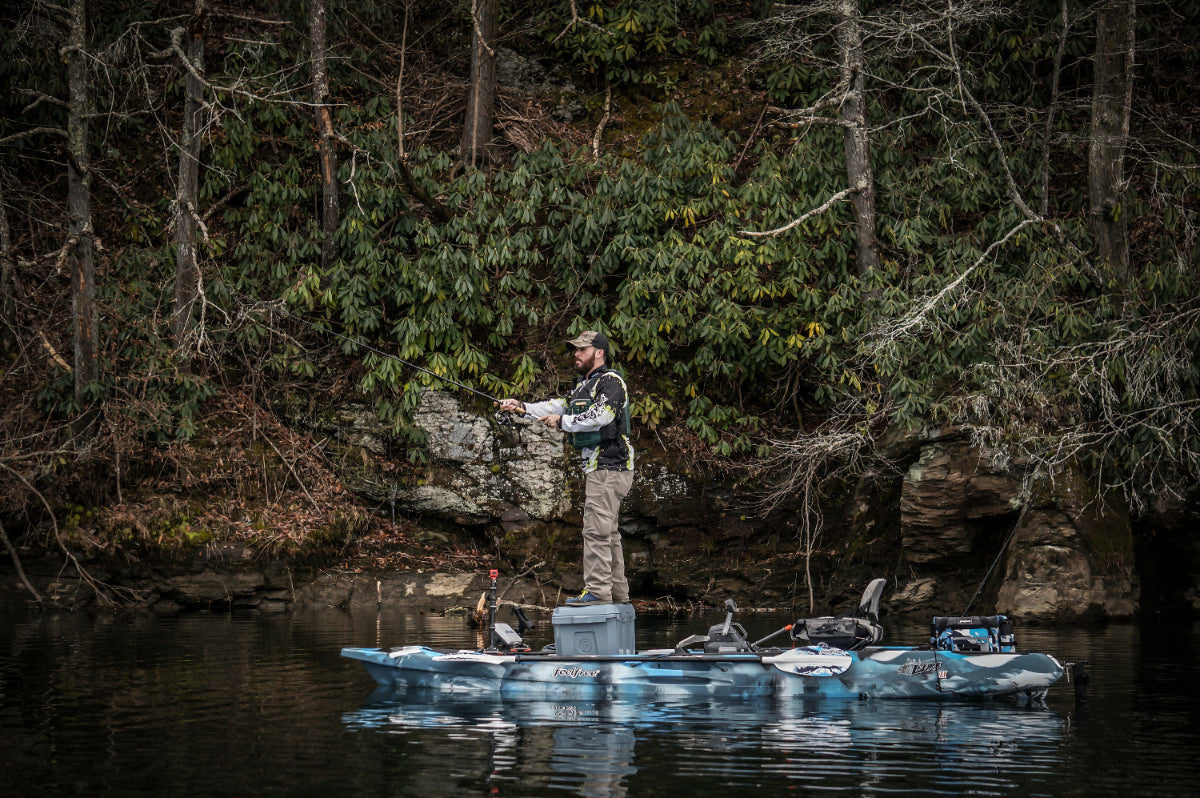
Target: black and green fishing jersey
column 596, row 419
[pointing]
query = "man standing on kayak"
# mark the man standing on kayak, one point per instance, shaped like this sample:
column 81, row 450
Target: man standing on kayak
column 595, row 417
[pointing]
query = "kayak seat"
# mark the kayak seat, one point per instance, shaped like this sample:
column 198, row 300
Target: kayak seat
column 848, row 631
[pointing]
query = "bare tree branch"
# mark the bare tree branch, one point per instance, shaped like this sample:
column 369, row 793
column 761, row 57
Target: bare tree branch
column 108, row 594
column 920, row 314
column 829, row 203
column 39, row 98
column 1052, row 110
column 57, row 131
column 16, row 560
column 291, row 468
column 801, row 467
column 400, row 147
column 177, row 48
column 479, row 31
column 1048, row 407
column 603, row 121
column 577, row 20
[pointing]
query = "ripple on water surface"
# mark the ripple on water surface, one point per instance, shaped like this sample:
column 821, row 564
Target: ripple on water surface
column 221, row 705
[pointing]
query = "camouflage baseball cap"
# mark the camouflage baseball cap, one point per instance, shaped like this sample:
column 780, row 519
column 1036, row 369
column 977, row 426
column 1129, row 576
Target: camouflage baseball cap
column 590, row 338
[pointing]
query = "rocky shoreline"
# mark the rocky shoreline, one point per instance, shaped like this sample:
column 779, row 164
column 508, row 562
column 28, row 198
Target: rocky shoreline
column 941, row 523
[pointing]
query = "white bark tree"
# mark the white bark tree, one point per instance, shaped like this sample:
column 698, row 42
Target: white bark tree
column 849, row 98
column 325, row 135
column 187, row 272
column 901, row 30
column 857, row 136
column 1112, row 99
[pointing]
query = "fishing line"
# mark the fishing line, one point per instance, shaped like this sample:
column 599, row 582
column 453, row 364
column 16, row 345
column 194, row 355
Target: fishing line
column 986, row 576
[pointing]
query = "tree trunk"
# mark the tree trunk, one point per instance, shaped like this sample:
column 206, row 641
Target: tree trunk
column 79, row 205
column 1112, row 96
column 857, row 137
column 440, row 211
column 8, row 320
column 481, row 100
column 325, row 140
column 187, row 273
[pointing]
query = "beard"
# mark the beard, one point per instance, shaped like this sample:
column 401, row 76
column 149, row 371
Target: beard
column 588, row 364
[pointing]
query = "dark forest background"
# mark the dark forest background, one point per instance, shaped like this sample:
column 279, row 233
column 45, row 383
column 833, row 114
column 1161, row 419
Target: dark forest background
column 809, row 228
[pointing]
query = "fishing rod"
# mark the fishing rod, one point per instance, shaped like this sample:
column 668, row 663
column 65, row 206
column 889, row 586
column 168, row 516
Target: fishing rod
column 388, row 355
column 988, row 575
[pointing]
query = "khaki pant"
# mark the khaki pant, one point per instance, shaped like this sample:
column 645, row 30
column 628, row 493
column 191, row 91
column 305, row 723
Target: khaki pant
column 603, row 558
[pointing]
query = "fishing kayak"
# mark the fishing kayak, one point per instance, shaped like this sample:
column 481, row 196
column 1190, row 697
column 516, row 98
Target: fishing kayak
column 593, row 658
column 878, row 672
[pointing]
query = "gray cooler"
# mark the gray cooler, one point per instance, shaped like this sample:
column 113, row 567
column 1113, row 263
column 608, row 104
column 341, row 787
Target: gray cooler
column 595, row 629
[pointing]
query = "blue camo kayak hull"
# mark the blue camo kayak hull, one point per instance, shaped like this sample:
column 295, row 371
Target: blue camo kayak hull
column 883, row 672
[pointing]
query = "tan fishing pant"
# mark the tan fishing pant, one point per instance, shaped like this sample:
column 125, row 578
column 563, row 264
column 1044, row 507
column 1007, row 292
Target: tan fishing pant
column 603, row 557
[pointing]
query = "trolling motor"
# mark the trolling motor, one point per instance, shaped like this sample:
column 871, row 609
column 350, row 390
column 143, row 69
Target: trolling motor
column 501, row 636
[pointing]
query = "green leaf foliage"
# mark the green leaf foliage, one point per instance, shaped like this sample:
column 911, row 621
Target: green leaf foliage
column 726, row 335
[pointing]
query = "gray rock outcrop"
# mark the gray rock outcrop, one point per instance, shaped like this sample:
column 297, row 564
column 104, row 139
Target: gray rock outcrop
column 1067, row 556
column 959, row 517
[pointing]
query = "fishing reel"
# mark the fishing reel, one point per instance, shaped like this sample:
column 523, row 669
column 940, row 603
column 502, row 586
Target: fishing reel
column 506, row 421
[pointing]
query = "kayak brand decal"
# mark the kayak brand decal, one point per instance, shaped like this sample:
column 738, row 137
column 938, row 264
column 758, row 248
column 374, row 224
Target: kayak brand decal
column 917, row 668
column 576, row 672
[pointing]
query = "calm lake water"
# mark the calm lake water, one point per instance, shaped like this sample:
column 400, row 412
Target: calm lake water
column 240, row 705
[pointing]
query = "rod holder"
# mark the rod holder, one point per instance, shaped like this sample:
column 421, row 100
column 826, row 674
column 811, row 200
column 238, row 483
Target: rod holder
column 492, row 607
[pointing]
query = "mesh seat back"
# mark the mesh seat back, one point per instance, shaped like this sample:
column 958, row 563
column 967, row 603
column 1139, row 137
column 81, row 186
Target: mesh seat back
column 845, row 633
column 849, row 630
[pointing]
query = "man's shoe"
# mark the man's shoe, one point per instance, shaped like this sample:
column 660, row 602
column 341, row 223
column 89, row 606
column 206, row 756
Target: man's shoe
column 584, row 598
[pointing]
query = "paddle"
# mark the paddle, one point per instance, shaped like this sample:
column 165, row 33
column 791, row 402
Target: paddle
column 811, row 661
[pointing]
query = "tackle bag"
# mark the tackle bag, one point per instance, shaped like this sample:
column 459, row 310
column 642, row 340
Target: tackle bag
column 972, row 634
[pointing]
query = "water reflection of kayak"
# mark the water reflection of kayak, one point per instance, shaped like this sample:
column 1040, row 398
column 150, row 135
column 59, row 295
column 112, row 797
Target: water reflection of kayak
column 807, row 725
column 836, row 657
column 615, row 748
